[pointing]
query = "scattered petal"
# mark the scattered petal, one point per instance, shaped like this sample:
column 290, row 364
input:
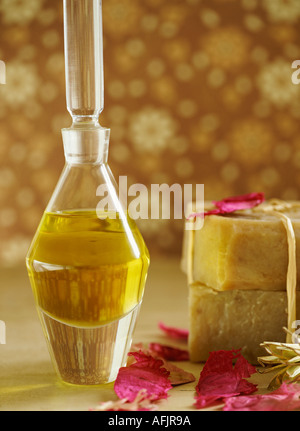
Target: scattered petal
column 238, row 203
column 220, row 379
column 174, row 332
column 232, row 204
column 243, row 368
column 220, row 361
column 285, row 398
column 168, row 353
column 146, row 373
column 177, row 375
column 144, row 360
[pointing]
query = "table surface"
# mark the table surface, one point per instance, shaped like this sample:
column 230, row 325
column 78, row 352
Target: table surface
column 27, row 379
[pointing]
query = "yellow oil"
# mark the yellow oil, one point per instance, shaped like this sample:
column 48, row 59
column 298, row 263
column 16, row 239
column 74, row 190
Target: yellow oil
column 88, row 276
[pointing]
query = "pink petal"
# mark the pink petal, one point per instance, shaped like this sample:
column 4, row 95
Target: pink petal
column 232, row 204
column 242, row 202
column 220, row 379
column 168, row 353
column 285, row 398
column 174, row 332
column 144, row 360
column 214, row 387
column 220, row 361
column 243, row 368
column 146, row 373
column 177, row 376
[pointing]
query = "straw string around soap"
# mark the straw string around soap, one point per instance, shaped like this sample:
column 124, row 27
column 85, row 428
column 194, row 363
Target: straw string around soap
column 275, row 207
column 190, row 256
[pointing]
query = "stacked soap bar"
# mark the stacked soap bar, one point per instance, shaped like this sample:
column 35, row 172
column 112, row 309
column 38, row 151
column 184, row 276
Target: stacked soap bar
column 237, row 267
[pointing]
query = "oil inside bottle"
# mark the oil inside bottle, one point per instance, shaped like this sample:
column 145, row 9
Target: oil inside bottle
column 88, row 276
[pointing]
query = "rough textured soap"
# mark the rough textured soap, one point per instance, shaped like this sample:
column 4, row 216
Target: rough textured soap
column 235, row 319
column 246, row 250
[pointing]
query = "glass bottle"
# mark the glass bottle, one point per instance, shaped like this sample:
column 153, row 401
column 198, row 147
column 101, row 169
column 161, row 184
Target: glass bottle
column 87, row 264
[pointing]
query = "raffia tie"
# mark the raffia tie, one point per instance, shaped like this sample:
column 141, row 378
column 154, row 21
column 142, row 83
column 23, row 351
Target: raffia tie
column 277, row 207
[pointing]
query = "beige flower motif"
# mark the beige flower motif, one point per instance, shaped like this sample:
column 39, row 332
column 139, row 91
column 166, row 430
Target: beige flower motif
column 22, row 84
column 20, row 11
column 286, row 125
column 44, row 181
column 202, row 134
column 254, row 181
column 202, row 139
column 275, row 84
column 121, row 17
column 283, row 32
column 14, row 251
column 226, row 47
column 231, row 98
column 173, row 13
column 215, row 189
column 282, row 10
column 117, row 114
column 164, row 90
column 123, row 60
column 152, row 129
column 177, row 50
column 31, row 217
column 184, row 167
column 210, row 18
column 251, row 141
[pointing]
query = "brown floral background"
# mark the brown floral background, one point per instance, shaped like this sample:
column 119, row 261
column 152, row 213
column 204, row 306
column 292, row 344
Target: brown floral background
column 196, row 91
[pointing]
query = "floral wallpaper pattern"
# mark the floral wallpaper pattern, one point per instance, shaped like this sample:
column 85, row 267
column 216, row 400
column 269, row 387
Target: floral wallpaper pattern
column 196, row 91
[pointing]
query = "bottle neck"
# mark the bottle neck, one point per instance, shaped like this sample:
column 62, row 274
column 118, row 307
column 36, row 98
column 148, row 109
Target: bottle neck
column 86, row 143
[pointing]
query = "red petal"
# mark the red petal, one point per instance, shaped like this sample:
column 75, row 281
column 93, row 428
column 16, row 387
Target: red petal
column 220, row 361
column 214, row 387
column 131, row 380
column 146, row 373
column 220, row 379
column 174, row 332
column 285, row 398
column 168, row 353
column 177, row 376
column 243, row 368
column 235, row 203
column 242, row 202
column 143, row 360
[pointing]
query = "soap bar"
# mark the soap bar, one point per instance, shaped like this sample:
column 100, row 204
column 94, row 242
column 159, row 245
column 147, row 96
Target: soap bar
column 236, row 319
column 245, row 250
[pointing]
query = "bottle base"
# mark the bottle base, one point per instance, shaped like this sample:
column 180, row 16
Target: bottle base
column 89, row 356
